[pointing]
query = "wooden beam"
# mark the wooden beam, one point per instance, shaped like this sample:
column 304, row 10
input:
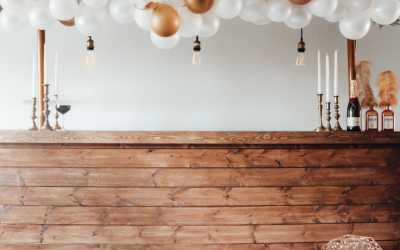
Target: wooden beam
column 41, row 42
column 351, row 54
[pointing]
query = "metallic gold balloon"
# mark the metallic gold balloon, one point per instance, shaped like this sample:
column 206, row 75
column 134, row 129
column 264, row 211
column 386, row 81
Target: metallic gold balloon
column 300, row 2
column 199, row 6
column 165, row 21
column 68, row 23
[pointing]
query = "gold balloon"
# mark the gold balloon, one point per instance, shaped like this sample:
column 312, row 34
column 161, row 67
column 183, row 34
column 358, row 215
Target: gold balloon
column 165, row 20
column 199, row 6
column 300, row 2
column 68, row 23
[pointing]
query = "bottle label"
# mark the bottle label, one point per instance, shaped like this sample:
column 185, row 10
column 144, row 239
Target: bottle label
column 388, row 122
column 373, row 122
column 353, row 121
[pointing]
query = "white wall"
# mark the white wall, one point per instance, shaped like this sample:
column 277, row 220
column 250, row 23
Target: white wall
column 248, row 80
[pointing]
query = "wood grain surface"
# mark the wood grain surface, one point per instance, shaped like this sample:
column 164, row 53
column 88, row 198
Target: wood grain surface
column 197, row 137
column 200, row 216
column 200, row 177
column 199, row 158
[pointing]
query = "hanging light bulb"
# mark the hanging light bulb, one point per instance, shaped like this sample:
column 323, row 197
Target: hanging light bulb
column 90, row 49
column 300, row 62
column 197, row 55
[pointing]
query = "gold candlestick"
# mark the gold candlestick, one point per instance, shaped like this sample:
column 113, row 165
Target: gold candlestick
column 321, row 127
column 33, row 126
column 46, row 125
column 328, row 117
column 337, row 127
column 56, row 126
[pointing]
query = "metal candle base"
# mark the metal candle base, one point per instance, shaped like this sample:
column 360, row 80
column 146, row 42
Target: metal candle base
column 337, row 127
column 33, row 126
column 321, row 127
column 46, row 125
column 328, row 117
column 56, row 126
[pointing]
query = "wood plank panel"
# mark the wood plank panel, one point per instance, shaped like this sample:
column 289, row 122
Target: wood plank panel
column 198, row 158
column 386, row 245
column 198, row 137
column 89, row 196
column 217, row 177
column 57, row 234
column 176, row 216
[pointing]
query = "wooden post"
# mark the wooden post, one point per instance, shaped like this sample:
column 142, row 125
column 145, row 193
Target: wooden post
column 351, row 54
column 41, row 42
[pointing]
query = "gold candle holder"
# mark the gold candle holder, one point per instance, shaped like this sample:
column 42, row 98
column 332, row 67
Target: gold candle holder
column 321, row 127
column 56, row 126
column 337, row 127
column 33, row 126
column 328, row 117
column 46, row 125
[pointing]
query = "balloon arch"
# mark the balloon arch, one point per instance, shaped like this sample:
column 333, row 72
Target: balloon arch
column 168, row 20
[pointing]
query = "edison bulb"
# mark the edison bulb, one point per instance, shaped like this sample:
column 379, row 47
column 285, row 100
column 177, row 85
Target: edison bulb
column 197, row 58
column 300, row 62
column 90, row 58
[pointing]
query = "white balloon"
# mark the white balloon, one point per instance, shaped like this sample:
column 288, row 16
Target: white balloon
column 210, row 25
column 14, row 5
column 359, row 5
column 142, row 18
column 164, row 42
column 227, row 9
column 323, row 8
column 339, row 13
column 90, row 21
column 95, row 3
column 385, row 11
column 63, row 9
column 40, row 16
column 13, row 21
column 263, row 20
column 122, row 11
column 355, row 25
column 190, row 23
column 175, row 3
column 252, row 10
column 279, row 10
column 301, row 17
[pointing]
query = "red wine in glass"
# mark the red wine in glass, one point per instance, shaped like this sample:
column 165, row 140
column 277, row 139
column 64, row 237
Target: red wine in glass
column 63, row 109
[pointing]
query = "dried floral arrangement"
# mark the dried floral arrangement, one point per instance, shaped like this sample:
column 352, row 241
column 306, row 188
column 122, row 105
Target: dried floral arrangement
column 352, row 242
column 388, row 85
column 364, row 89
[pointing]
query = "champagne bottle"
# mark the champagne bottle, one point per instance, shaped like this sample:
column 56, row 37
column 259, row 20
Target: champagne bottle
column 353, row 110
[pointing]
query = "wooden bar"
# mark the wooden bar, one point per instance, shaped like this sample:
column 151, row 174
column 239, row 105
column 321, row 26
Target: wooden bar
column 60, row 234
column 40, row 103
column 199, row 158
column 386, row 245
column 223, row 138
column 201, row 177
column 200, row 216
column 199, row 197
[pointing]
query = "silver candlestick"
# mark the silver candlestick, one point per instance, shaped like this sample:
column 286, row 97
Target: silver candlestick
column 337, row 127
column 328, row 117
column 321, row 127
column 33, row 126
column 56, row 126
column 46, row 125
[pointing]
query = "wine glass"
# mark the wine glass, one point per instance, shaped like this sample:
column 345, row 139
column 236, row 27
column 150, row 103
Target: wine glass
column 62, row 106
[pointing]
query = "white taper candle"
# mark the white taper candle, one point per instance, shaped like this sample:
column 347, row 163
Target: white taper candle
column 34, row 90
column 45, row 64
column 327, row 79
column 56, row 74
column 319, row 74
column 336, row 75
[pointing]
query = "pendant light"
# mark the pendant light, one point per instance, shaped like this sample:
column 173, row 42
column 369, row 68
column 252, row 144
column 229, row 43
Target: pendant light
column 90, row 49
column 197, row 55
column 300, row 62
